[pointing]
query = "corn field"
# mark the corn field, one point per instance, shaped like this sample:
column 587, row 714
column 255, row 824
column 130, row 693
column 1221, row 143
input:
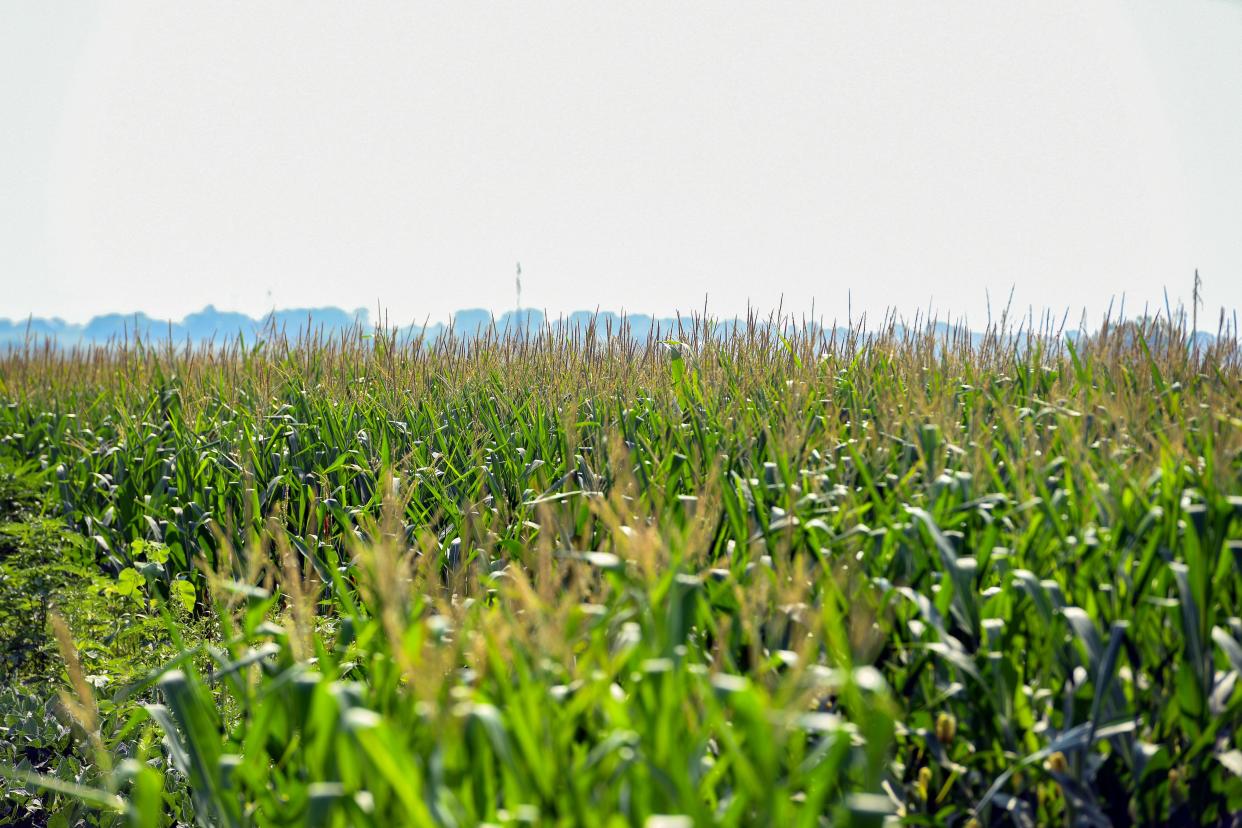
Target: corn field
column 771, row 576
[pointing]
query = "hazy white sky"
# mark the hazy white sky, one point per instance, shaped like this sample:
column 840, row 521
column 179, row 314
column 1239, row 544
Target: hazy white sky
column 160, row 156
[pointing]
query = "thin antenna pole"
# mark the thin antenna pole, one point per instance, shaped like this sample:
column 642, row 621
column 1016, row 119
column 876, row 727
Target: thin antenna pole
column 519, row 287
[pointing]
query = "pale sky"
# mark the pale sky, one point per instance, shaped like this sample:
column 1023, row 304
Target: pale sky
column 159, row 156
